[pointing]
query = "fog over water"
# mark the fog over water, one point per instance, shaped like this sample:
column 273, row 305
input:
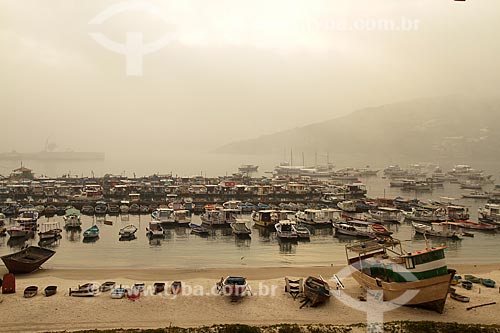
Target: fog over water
column 234, row 71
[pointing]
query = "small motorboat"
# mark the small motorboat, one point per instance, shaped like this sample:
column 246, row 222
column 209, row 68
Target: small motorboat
column 240, row 228
column 118, row 293
column 30, row 291
column 302, row 232
column 19, row 231
column 86, row 290
column 233, row 286
column 460, row 298
column 198, row 229
column 285, row 230
column 107, row 286
column 155, row 229
column 50, row 291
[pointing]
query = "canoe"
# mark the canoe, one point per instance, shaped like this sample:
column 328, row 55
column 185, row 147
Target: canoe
column 50, row 291
column 488, row 283
column 460, row 298
column 27, row 260
column 107, row 286
column 30, row 291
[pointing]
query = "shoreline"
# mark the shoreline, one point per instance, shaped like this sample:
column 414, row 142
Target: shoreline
column 61, row 312
column 252, row 273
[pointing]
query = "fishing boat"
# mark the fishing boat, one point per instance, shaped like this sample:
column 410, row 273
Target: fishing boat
column 88, row 210
column 466, row 284
column 476, row 195
column 164, row 215
column 50, row 291
column 355, row 228
column 85, row 290
column 27, row 260
column 240, row 228
column 233, row 286
column 182, row 217
column 348, row 206
column 49, row 230
column 72, row 218
column 27, row 218
column 91, row 233
column 220, row 217
column 442, row 229
column 30, row 291
column 107, row 286
column 302, row 232
column 319, row 216
column 113, row 209
column 198, row 229
column 154, row 230
column 285, row 230
column 426, row 215
column 128, row 231
column 480, row 226
column 316, row 291
column 101, row 208
column 377, row 265
column 385, row 214
column 268, row 218
column 19, row 231
column 490, row 213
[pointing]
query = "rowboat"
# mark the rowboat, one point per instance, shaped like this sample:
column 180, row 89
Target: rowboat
column 30, row 291
column 472, row 278
column 27, row 260
column 92, row 232
column 85, row 290
column 316, row 291
column 459, row 297
column 118, row 293
column 380, row 230
column 107, row 286
column 133, row 293
column 488, row 283
column 128, row 231
column 50, row 291
column 198, row 229
column 467, row 285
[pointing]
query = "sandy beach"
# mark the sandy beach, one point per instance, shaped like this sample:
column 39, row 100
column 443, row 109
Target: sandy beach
column 199, row 305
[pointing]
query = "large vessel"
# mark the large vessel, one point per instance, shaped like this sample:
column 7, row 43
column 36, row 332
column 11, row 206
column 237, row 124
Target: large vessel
column 52, row 156
column 378, row 265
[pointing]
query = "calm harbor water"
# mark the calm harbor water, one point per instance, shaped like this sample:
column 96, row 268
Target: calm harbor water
column 181, row 249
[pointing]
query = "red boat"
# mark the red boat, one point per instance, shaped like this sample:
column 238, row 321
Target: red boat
column 475, row 225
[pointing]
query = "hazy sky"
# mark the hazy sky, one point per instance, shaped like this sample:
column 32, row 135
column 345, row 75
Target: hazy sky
column 233, row 69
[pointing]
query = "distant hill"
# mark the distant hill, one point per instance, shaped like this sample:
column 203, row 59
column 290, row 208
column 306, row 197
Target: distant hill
column 448, row 127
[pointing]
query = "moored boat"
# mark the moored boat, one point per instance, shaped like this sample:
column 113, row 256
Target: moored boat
column 240, row 228
column 72, row 218
column 91, row 233
column 233, row 286
column 198, row 229
column 49, row 230
column 154, row 230
column 285, row 230
column 128, row 231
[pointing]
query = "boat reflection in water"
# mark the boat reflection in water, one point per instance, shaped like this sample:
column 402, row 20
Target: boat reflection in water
column 50, row 242
column 90, row 240
column 287, row 247
column 74, row 234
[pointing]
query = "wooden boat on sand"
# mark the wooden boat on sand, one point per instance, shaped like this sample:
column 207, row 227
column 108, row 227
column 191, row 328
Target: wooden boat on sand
column 385, row 266
column 27, row 260
column 50, row 291
column 316, row 291
column 30, row 291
